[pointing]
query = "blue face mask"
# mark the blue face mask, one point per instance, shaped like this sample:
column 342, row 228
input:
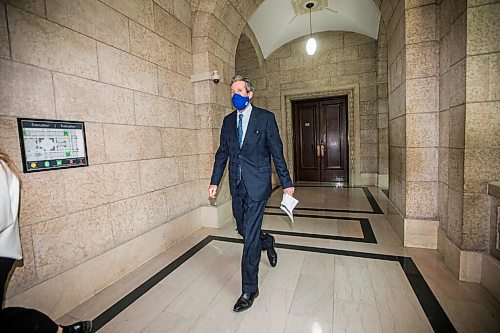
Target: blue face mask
column 240, row 102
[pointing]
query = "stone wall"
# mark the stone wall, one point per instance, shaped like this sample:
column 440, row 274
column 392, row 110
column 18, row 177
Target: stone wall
column 452, row 28
column 482, row 119
column 396, row 60
column 383, row 108
column 469, row 121
column 422, row 118
column 124, row 68
column 413, row 60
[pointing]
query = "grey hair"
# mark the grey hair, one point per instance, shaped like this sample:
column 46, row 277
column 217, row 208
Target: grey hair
column 248, row 84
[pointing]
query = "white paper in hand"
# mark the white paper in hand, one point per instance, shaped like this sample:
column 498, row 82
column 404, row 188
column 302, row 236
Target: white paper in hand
column 288, row 203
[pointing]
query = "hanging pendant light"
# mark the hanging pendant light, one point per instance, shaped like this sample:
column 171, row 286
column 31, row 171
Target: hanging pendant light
column 311, row 43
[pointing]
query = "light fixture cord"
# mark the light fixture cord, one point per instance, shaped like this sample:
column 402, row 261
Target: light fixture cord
column 310, row 21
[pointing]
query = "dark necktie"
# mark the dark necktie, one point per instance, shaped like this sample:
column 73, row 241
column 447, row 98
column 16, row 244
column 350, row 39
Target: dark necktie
column 240, row 129
column 240, row 141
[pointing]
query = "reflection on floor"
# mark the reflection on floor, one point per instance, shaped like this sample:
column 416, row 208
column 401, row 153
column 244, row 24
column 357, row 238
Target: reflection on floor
column 328, row 279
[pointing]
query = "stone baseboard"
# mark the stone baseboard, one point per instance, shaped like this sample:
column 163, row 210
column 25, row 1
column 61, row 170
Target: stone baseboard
column 368, row 179
column 411, row 232
column 65, row 291
column 383, row 181
column 216, row 216
column 465, row 265
column 490, row 275
column 421, row 233
column 396, row 220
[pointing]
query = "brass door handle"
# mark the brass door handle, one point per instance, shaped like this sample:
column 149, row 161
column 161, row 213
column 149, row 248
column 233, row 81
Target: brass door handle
column 318, row 150
column 322, row 149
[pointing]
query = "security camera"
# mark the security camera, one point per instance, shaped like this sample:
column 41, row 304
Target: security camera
column 215, row 77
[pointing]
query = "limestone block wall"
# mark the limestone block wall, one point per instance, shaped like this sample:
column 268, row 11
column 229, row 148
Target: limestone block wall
column 482, row 120
column 396, row 60
column 422, row 118
column 413, row 69
column 124, row 67
column 469, row 123
column 383, row 108
column 452, row 29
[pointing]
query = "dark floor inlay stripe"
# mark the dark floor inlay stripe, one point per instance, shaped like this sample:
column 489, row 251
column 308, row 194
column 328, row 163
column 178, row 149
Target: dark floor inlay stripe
column 280, row 213
column 131, row 297
column 329, row 210
column 366, row 229
column 373, row 203
column 365, row 223
column 319, row 236
column 432, row 309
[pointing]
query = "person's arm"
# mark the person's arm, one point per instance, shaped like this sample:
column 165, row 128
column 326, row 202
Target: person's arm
column 6, row 218
column 276, row 146
column 219, row 163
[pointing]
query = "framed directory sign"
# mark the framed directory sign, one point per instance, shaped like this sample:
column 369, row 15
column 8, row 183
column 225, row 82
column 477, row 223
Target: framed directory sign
column 52, row 144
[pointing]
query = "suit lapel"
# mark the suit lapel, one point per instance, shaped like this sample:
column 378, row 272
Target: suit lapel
column 252, row 125
column 232, row 130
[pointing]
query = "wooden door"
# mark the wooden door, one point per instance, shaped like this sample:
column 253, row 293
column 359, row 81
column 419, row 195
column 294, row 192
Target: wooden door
column 320, row 139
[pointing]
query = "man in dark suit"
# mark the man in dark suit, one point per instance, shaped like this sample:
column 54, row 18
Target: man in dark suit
column 249, row 138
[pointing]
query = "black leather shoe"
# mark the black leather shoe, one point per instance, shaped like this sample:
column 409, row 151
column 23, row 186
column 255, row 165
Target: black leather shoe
column 80, row 327
column 245, row 301
column 272, row 255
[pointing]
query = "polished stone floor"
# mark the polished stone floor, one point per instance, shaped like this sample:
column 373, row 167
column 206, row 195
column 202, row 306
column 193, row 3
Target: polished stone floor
column 341, row 268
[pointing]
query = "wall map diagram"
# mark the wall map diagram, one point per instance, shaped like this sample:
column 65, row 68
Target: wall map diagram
column 52, row 144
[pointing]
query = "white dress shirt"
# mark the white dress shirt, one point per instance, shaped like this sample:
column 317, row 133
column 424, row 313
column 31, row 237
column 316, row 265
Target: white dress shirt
column 10, row 241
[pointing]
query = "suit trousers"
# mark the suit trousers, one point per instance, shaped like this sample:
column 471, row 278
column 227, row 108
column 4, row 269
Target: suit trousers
column 21, row 320
column 5, row 267
column 248, row 214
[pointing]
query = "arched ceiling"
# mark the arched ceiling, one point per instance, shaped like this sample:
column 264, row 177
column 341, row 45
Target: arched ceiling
column 277, row 22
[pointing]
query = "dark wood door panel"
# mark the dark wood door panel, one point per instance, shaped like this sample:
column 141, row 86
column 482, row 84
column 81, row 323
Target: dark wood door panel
column 335, row 160
column 306, row 119
column 332, row 124
column 307, row 137
column 320, row 139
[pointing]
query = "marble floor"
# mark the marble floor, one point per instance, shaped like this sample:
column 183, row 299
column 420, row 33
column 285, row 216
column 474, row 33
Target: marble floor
column 341, row 268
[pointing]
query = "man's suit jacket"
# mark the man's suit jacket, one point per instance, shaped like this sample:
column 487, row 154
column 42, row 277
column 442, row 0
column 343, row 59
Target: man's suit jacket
column 262, row 140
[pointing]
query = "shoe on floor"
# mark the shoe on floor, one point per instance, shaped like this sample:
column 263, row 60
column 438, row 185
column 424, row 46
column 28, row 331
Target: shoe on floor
column 79, row 327
column 245, row 301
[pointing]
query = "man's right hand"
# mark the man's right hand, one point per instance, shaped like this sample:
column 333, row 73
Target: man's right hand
column 212, row 191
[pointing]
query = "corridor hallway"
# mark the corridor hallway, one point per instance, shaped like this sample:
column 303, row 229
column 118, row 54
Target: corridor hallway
column 341, row 268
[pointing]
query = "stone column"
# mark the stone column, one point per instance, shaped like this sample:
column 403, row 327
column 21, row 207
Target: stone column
column 383, row 109
column 482, row 127
column 451, row 18
column 395, row 23
column 421, row 125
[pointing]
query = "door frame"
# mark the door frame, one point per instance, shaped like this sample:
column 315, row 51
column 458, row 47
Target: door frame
column 352, row 92
column 318, row 102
